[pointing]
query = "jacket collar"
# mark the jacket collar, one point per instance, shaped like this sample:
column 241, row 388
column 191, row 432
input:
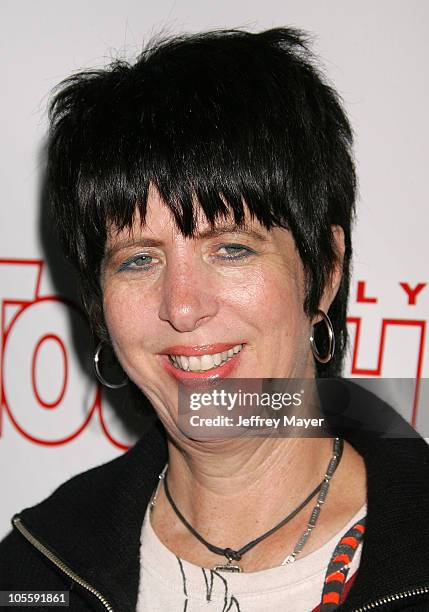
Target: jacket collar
column 93, row 522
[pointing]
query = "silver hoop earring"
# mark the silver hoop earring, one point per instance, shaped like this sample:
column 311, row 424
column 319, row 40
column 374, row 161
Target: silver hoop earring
column 331, row 336
column 98, row 374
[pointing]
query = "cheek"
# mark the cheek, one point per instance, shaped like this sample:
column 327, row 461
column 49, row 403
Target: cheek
column 127, row 315
column 272, row 302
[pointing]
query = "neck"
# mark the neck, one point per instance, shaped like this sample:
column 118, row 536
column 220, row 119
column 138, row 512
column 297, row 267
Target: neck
column 220, row 481
column 233, row 492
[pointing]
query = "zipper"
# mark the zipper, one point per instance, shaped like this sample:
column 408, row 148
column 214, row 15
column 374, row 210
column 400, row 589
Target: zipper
column 390, row 598
column 17, row 522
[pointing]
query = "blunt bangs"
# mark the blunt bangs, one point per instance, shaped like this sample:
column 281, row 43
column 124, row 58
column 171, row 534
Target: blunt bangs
column 223, row 121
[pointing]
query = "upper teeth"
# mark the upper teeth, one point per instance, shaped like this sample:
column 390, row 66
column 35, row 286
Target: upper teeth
column 205, row 362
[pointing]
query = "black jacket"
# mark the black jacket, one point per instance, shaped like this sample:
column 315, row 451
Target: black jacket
column 86, row 536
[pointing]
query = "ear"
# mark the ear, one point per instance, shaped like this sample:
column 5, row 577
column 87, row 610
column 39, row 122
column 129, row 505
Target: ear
column 334, row 279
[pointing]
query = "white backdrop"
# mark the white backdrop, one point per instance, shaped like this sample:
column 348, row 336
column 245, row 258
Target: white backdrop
column 53, row 421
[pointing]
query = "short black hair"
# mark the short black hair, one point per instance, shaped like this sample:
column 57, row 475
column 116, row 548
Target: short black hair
column 225, row 118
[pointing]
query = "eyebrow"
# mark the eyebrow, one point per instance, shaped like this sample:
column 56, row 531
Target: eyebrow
column 204, row 234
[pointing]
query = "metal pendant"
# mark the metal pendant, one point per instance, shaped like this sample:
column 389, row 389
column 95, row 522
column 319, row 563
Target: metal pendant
column 229, row 567
column 231, row 555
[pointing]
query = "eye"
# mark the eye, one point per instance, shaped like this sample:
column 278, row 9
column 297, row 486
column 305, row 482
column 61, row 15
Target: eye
column 138, row 262
column 234, row 251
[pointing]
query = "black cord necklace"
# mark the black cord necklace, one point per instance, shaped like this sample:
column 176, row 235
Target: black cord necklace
column 236, row 555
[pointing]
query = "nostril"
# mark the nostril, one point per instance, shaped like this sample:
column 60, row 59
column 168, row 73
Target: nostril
column 187, row 317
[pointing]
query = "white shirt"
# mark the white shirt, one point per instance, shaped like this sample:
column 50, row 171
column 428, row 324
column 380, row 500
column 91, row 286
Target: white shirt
column 169, row 584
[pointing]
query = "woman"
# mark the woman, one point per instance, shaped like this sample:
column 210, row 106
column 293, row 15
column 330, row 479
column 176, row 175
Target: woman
column 206, row 195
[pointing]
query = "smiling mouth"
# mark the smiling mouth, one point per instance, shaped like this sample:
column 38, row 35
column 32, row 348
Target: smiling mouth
column 203, row 363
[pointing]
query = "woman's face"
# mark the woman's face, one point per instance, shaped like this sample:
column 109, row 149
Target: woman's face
column 227, row 303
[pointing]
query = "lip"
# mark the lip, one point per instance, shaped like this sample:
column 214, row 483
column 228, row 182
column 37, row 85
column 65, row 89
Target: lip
column 197, row 351
column 193, row 378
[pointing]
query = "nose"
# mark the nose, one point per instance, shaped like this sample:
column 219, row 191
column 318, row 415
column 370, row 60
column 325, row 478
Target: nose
column 188, row 298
